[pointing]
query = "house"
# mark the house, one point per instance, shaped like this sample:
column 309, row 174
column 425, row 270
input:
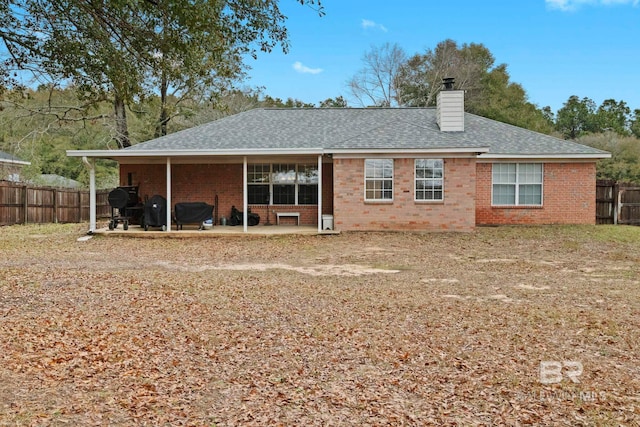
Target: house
column 11, row 166
column 54, row 180
column 368, row 169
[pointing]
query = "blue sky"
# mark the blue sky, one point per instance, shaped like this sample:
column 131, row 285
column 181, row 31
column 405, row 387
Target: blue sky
column 553, row 48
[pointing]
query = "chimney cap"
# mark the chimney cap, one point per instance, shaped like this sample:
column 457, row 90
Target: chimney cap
column 448, row 83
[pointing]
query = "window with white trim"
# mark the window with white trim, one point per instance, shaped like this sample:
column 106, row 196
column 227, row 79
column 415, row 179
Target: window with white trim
column 282, row 184
column 258, row 188
column 429, row 179
column 517, row 184
column 283, row 180
column 378, row 179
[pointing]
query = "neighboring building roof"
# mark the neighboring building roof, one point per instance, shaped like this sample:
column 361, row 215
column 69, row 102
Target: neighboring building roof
column 54, row 180
column 10, row 158
column 344, row 130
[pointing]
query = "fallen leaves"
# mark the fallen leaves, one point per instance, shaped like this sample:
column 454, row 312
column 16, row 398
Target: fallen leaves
column 229, row 331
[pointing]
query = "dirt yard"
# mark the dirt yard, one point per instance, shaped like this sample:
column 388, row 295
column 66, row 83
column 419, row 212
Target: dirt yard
column 502, row 326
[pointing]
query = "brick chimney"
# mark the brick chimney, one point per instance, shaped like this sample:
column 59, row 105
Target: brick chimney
column 450, row 107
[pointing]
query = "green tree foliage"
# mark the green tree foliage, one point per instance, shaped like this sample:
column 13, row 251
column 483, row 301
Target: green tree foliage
column 420, row 78
column 634, row 126
column 337, row 102
column 576, row 117
column 40, row 125
column 289, row 103
column 116, row 49
column 624, row 164
column 579, row 117
column 507, row 102
column 488, row 90
column 613, row 116
column 16, row 38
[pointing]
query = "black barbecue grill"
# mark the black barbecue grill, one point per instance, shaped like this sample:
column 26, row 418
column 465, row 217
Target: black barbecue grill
column 155, row 213
column 125, row 206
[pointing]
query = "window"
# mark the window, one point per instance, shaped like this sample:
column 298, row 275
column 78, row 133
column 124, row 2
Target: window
column 282, row 184
column 258, row 184
column 517, row 184
column 283, row 179
column 429, row 182
column 378, row 179
column 307, row 184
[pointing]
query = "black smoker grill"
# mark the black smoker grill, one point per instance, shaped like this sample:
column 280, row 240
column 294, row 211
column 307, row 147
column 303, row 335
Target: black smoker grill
column 125, row 206
column 155, row 213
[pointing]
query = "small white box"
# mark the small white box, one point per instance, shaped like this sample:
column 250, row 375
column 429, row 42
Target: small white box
column 327, row 222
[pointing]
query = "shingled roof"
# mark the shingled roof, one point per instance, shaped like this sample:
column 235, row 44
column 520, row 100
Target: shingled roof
column 10, row 158
column 360, row 129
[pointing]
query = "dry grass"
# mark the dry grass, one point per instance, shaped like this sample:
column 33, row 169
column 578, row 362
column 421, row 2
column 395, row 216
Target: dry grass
column 355, row 329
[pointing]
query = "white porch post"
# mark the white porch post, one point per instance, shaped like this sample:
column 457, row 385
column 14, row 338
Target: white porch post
column 245, row 196
column 92, row 193
column 169, row 194
column 320, row 193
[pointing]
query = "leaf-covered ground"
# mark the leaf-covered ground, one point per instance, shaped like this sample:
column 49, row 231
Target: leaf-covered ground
column 353, row 329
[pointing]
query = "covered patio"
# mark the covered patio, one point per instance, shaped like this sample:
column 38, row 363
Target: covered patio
column 194, row 175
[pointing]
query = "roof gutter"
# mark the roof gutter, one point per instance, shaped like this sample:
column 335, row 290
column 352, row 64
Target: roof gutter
column 189, row 153
column 15, row 162
column 457, row 150
column 573, row 156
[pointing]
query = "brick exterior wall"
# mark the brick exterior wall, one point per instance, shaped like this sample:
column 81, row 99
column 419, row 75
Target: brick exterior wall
column 568, row 188
column 202, row 182
column 569, row 197
column 456, row 212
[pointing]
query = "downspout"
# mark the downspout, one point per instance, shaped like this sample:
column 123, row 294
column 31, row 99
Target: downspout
column 92, row 194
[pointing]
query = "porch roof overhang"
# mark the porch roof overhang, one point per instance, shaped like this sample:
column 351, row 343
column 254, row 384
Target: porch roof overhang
column 154, row 156
column 205, row 156
column 15, row 162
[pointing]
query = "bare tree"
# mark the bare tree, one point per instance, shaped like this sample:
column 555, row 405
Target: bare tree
column 375, row 83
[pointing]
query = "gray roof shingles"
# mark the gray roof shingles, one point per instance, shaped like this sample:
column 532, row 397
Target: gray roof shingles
column 359, row 129
column 6, row 157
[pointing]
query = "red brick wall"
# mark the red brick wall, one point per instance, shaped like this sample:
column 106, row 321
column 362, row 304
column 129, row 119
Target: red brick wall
column 569, row 197
column 202, row 182
column 456, row 212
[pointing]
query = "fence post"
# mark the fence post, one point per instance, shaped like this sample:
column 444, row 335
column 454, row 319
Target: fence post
column 79, row 207
column 25, row 203
column 55, row 206
column 616, row 199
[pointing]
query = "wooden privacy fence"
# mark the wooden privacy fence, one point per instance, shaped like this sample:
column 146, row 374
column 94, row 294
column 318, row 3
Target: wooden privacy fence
column 617, row 202
column 22, row 203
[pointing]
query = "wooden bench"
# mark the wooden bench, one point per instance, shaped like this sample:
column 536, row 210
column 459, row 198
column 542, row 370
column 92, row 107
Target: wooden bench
column 295, row 215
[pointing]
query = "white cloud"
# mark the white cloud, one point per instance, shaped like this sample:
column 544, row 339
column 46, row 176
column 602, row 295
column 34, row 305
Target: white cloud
column 569, row 5
column 301, row 68
column 366, row 24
